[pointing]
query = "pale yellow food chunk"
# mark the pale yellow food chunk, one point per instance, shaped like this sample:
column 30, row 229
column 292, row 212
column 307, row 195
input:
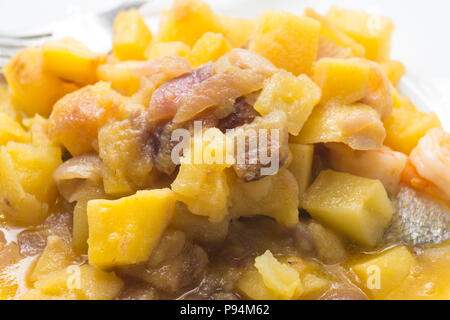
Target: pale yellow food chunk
column 394, row 70
column 187, row 21
column 84, row 282
column 342, row 80
column 209, row 48
column 274, row 196
column 330, row 34
column 357, row 207
column 71, row 60
column 288, row 41
column 126, row 168
column 279, row 278
column 407, row 125
column 56, row 256
column 301, row 166
column 356, row 125
column 27, row 189
column 34, row 90
column 296, row 96
column 384, row 272
column 131, row 36
column 161, row 49
column 11, row 130
column 125, row 231
column 203, row 188
column 201, row 182
column 76, row 118
column 373, row 32
column 199, row 228
column 237, row 30
column 251, row 286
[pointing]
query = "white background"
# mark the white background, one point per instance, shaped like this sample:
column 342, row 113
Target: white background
column 421, row 38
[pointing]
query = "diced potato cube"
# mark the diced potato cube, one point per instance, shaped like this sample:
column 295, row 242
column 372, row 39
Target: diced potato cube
column 201, row 182
column 187, row 21
column 274, row 196
column 126, row 168
column 279, row 278
column 210, row 47
column 357, row 207
column 288, row 41
column 161, row 49
column 406, row 126
column 203, row 188
column 342, row 80
column 27, row 189
column 10, row 130
column 356, row 125
column 335, row 36
column 394, row 70
column 251, row 286
column 125, row 231
column 199, row 228
column 34, row 90
column 131, row 36
column 381, row 274
column 301, row 166
column 237, row 30
column 296, row 96
column 81, row 283
column 57, row 255
column 71, row 60
column 78, row 116
column 373, row 32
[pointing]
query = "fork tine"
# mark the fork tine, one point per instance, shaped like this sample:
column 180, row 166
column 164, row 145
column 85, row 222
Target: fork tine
column 21, row 42
column 25, row 36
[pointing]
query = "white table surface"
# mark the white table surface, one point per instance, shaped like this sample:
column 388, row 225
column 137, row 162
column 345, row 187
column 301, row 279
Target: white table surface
column 421, row 38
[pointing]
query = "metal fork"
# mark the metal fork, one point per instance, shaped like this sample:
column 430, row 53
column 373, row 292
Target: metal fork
column 94, row 30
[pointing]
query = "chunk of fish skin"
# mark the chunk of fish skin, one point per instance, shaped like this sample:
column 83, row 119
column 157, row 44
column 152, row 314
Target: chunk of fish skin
column 417, row 220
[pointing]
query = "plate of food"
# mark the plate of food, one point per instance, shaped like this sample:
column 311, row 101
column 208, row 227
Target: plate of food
column 216, row 152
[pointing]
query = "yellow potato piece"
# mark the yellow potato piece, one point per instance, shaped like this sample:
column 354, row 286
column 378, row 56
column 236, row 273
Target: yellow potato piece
column 26, row 183
column 161, row 49
column 125, row 231
column 131, row 36
column 56, row 256
column 384, row 272
column 34, row 90
column 296, row 96
column 288, row 41
column 394, row 70
column 373, row 32
column 406, row 126
column 279, row 278
column 11, row 130
column 77, row 283
column 210, row 47
column 78, row 116
column 237, row 30
column 330, row 33
column 342, row 80
column 356, row 125
column 187, row 21
column 357, row 207
column 301, row 166
column 274, row 196
column 71, row 60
